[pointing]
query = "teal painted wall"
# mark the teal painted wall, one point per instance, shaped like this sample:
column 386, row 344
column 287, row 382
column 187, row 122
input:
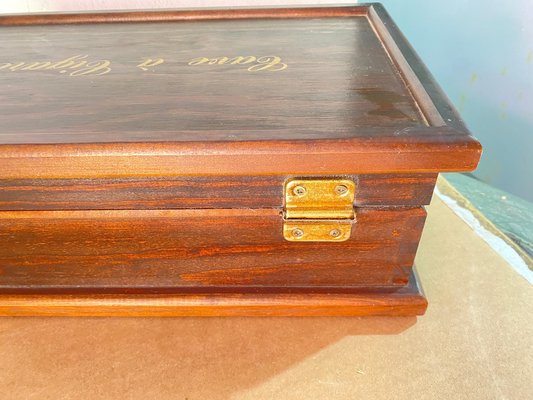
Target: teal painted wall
column 481, row 53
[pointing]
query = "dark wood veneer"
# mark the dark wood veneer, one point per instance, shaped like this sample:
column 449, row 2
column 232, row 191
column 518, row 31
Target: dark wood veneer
column 159, row 191
column 368, row 107
column 407, row 300
column 197, row 192
column 200, row 248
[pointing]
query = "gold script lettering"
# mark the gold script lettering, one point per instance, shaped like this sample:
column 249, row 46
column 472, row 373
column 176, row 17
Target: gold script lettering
column 80, row 65
column 243, row 60
column 272, row 63
column 198, row 61
column 93, row 68
column 36, row 66
column 71, row 62
column 11, row 66
column 221, row 60
column 149, row 63
column 77, row 65
column 264, row 63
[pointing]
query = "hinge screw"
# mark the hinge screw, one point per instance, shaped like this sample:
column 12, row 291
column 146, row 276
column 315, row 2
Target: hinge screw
column 297, row 233
column 341, row 190
column 299, row 191
column 335, row 233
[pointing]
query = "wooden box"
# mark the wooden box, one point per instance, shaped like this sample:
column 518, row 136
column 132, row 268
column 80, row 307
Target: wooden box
column 238, row 162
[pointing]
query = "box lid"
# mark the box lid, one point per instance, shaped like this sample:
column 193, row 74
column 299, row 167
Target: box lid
column 234, row 92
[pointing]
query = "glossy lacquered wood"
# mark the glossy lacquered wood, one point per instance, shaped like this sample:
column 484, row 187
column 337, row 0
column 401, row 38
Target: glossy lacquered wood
column 198, row 192
column 177, row 101
column 175, row 249
column 180, row 15
column 367, row 107
column 143, row 158
column 404, row 301
column 358, row 156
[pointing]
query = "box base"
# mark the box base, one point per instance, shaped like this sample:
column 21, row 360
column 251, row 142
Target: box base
column 406, row 301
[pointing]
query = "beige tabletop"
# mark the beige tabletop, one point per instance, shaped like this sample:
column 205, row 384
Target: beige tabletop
column 475, row 342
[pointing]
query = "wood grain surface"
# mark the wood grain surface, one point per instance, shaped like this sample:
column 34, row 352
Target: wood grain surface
column 338, row 78
column 352, row 98
column 143, row 157
column 197, row 192
column 199, row 248
column 404, row 301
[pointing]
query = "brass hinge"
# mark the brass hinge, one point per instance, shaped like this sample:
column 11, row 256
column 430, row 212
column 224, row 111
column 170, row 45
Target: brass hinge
column 318, row 210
